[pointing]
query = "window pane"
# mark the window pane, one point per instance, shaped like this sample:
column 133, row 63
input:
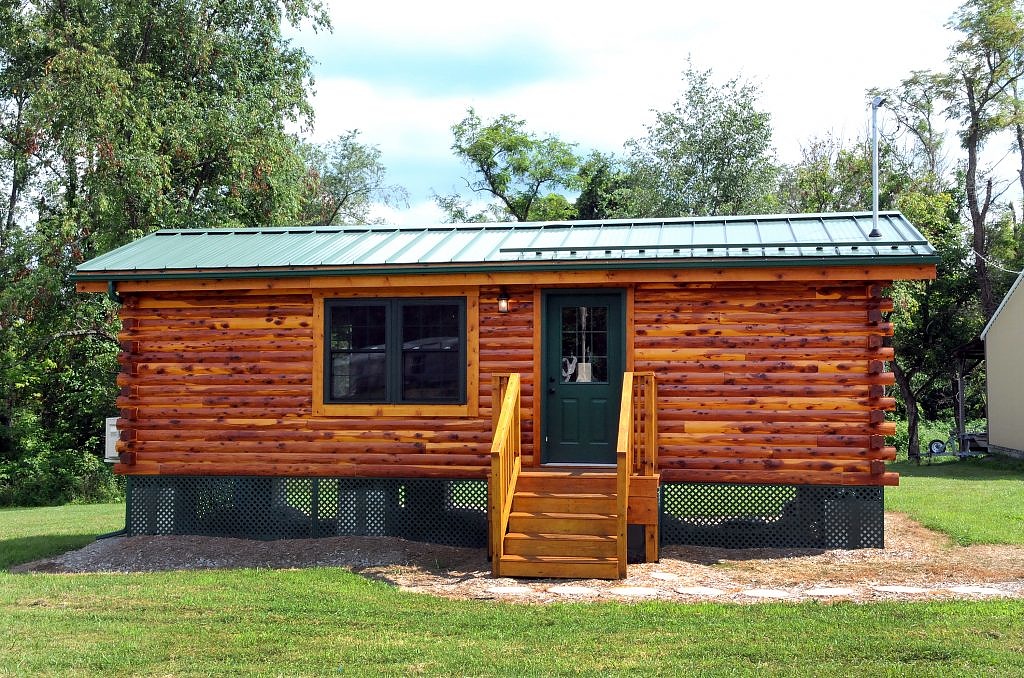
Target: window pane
column 584, row 344
column 423, row 361
column 429, row 325
column 430, row 375
column 358, row 376
column 358, row 344
column 357, row 328
column 431, row 352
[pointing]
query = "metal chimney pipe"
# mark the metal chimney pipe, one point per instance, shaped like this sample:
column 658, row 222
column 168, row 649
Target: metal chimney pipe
column 876, row 103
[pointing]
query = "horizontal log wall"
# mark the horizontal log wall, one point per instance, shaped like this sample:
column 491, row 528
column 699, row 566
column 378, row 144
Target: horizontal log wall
column 768, row 382
column 759, row 382
column 221, row 383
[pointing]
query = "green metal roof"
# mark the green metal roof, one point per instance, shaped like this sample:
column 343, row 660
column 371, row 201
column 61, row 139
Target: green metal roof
column 685, row 242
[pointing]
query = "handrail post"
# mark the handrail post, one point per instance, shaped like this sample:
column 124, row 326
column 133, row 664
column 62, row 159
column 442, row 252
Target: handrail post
column 506, row 451
column 625, row 460
column 636, row 451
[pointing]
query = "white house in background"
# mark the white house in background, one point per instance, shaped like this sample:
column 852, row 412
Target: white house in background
column 1004, row 365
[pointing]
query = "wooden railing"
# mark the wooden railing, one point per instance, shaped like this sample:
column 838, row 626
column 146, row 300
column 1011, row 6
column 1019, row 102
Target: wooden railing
column 637, row 447
column 506, row 459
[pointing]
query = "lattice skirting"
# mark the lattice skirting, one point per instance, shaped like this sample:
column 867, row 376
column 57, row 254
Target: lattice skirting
column 452, row 512
column 772, row 516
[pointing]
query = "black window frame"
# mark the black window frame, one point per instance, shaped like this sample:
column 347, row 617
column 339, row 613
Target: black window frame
column 393, row 362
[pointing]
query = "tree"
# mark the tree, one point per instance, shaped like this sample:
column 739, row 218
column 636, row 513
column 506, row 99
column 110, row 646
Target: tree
column 830, row 177
column 932, row 317
column 459, row 210
column 605, row 186
column 344, row 179
column 515, row 166
column 118, row 118
column 710, row 154
column 983, row 66
column 915, row 104
column 1017, row 123
column 974, row 233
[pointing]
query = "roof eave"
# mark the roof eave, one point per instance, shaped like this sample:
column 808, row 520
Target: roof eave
column 507, row 267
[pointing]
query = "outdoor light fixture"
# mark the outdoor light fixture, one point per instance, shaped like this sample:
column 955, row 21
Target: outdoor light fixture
column 503, row 300
column 876, row 103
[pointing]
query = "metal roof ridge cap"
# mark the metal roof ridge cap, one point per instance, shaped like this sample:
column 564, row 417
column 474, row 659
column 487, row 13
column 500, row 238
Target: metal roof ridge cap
column 541, row 225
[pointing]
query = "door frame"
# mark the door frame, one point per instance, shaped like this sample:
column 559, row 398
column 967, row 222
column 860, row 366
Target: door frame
column 541, row 336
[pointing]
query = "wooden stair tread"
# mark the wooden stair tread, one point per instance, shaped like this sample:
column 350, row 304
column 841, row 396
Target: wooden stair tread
column 563, row 523
column 589, row 569
column 533, row 494
column 559, row 559
column 554, row 536
column 552, row 473
column 561, row 515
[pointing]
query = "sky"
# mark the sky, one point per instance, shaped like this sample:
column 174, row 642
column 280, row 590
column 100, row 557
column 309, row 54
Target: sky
column 592, row 72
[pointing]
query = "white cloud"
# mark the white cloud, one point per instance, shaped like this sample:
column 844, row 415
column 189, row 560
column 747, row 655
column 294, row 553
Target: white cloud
column 813, row 61
column 424, row 213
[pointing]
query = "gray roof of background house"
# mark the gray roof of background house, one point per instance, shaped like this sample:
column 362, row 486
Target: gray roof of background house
column 683, row 242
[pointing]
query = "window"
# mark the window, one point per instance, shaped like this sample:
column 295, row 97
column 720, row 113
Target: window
column 397, row 351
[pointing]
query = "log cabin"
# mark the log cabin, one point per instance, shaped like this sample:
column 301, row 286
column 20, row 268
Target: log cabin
column 571, row 395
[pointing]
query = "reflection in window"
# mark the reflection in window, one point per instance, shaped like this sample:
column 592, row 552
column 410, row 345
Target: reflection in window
column 585, row 344
column 396, row 351
column 430, row 352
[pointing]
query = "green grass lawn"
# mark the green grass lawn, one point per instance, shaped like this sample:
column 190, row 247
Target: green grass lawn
column 328, row 621
column 974, row 501
column 32, row 533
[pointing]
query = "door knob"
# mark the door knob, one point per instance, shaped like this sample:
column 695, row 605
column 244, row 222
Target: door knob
column 551, row 390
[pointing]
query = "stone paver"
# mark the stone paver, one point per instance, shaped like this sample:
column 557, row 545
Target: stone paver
column 826, row 591
column 979, row 590
column 901, row 589
column 767, row 593
column 510, row 590
column 699, row 591
column 664, row 576
column 569, row 590
column 634, row 591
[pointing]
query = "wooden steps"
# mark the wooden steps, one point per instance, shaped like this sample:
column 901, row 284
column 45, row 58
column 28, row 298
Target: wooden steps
column 561, row 567
column 563, row 524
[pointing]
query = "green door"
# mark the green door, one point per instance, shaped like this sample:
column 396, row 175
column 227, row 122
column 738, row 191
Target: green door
column 584, row 357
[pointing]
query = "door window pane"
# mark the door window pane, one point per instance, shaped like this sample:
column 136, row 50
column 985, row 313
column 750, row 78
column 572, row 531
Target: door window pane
column 584, row 344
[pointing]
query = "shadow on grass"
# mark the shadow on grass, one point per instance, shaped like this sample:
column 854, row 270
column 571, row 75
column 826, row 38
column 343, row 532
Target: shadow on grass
column 980, row 468
column 20, row 550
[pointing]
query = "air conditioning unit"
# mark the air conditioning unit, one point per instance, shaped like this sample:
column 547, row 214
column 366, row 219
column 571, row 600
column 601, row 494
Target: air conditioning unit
column 112, row 436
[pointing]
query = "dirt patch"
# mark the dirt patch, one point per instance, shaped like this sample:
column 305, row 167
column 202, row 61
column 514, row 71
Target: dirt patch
column 918, row 563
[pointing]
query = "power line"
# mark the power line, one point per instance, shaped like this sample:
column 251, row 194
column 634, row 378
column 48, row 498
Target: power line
column 993, row 264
